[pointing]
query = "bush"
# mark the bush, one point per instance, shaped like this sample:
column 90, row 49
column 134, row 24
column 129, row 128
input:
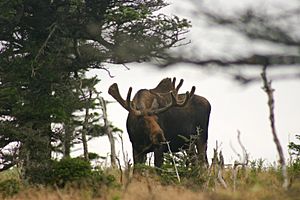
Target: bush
column 294, row 168
column 191, row 175
column 69, row 170
column 100, row 181
column 78, row 173
column 9, row 187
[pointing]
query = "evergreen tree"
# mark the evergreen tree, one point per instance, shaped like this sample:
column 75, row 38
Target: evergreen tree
column 45, row 49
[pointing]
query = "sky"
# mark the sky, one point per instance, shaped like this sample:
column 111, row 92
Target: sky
column 234, row 106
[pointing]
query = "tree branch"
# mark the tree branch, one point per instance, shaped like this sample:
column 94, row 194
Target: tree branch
column 269, row 91
column 255, row 60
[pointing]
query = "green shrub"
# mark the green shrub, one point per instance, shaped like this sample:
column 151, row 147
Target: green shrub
column 144, row 169
column 69, row 170
column 100, row 181
column 93, row 156
column 9, row 187
column 78, row 173
column 295, row 148
column 294, row 168
column 192, row 176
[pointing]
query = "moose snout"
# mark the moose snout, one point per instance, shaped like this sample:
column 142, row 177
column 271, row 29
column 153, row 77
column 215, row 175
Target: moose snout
column 158, row 138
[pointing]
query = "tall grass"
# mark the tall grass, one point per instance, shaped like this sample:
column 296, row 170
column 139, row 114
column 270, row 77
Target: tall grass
column 248, row 180
column 255, row 181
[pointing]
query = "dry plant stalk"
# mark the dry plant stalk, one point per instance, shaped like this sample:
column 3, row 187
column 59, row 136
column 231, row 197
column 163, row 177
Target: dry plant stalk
column 243, row 161
column 59, row 194
column 216, row 169
column 127, row 164
column 220, row 170
column 269, row 91
column 120, row 170
column 174, row 163
column 109, row 133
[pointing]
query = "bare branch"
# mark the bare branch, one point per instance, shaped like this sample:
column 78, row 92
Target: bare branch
column 256, row 60
column 244, row 79
column 53, row 28
column 242, row 161
column 257, row 25
column 269, row 91
column 109, row 132
column 220, row 171
column 245, row 154
column 126, row 67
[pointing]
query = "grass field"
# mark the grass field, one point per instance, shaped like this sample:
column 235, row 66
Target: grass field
column 251, row 182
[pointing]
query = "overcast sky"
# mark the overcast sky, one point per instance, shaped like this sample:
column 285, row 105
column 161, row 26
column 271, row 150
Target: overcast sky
column 234, row 107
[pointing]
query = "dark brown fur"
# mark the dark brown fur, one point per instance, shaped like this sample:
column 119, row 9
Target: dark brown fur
column 146, row 132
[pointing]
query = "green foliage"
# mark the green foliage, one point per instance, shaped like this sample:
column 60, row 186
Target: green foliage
column 294, row 168
column 9, row 187
column 93, row 156
column 144, row 169
column 46, row 49
column 191, row 170
column 192, row 175
column 100, row 180
column 116, row 197
column 295, row 148
column 69, row 170
column 256, row 166
column 78, row 173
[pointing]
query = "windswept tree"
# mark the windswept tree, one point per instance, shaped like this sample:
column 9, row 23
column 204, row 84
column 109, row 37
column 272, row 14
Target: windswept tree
column 82, row 115
column 46, row 47
column 271, row 30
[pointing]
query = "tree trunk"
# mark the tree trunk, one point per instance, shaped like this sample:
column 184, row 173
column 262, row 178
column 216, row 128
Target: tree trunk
column 36, row 155
column 269, row 90
column 108, row 131
column 87, row 99
column 85, row 145
column 112, row 147
column 84, row 133
column 67, row 140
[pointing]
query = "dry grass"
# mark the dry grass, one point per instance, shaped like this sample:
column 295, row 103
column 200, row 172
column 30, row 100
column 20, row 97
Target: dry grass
column 149, row 188
column 139, row 189
column 265, row 184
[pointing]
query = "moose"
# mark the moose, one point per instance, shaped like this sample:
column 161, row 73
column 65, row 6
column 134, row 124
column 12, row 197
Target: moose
column 162, row 114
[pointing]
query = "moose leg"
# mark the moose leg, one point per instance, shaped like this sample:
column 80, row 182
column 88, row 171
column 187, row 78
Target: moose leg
column 158, row 156
column 201, row 145
column 139, row 157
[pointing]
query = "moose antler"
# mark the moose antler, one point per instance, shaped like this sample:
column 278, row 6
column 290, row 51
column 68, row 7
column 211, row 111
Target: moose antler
column 115, row 93
column 175, row 102
column 178, row 86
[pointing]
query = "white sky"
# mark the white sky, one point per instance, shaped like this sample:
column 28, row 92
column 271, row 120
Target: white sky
column 234, row 107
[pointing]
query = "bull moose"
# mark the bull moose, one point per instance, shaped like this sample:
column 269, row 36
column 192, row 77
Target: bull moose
column 161, row 114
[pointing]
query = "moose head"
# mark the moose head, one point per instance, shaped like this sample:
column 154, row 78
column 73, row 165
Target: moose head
column 147, row 105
